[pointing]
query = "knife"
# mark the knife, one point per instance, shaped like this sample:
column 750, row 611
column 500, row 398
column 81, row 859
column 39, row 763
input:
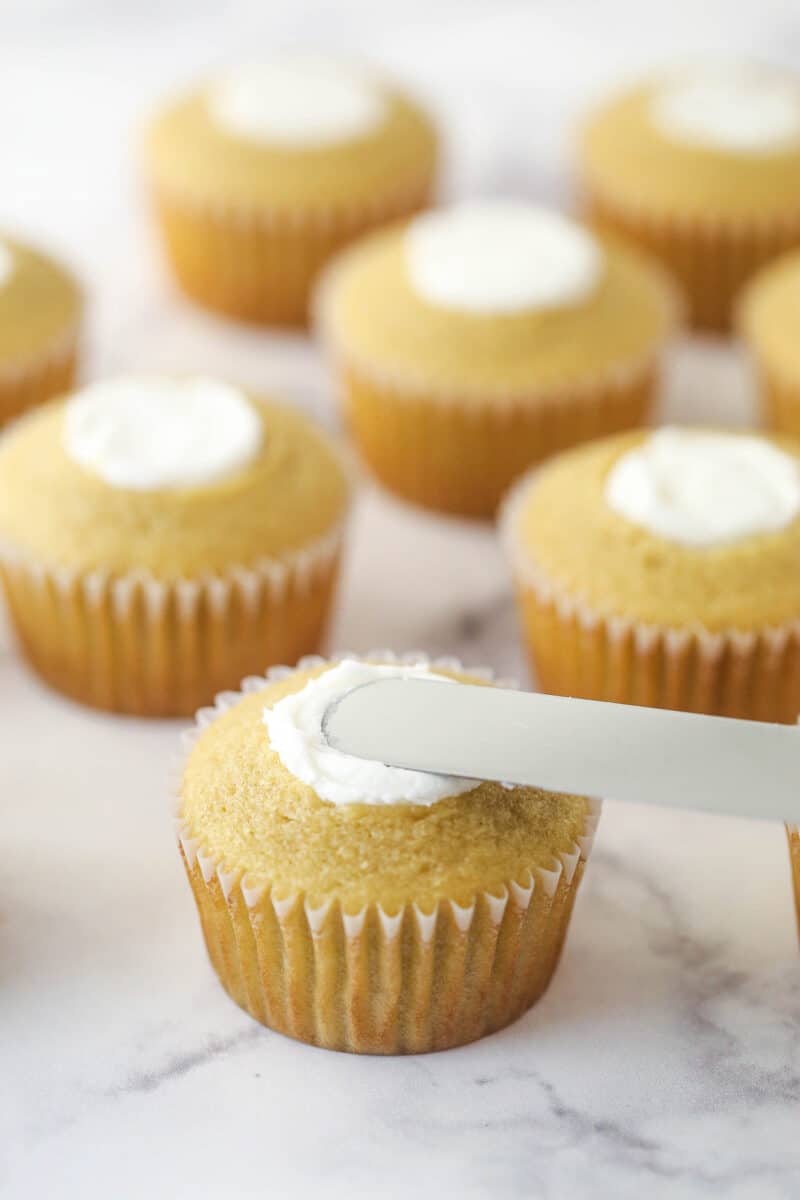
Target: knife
column 615, row 751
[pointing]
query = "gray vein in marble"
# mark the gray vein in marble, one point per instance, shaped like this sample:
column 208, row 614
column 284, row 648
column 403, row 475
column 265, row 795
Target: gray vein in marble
column 182, row 1064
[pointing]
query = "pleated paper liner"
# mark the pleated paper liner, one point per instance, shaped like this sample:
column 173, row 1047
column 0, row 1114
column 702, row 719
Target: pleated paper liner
column 383, row 981
column 36, row 379
column 459, row 453
column 712, row 261
column 261, row 265
column 135, row 644
column 577, row 651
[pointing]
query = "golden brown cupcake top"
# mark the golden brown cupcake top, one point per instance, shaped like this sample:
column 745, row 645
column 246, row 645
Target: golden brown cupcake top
column 210, row 147
column 563, row 528
column 768, row 315
column 73, row 494
column 247, row 811
column 372, row 313
column 40, row 304
column 682, row 154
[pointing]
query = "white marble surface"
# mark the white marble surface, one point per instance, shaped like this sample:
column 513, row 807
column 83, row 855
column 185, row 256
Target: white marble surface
column 665, row 1060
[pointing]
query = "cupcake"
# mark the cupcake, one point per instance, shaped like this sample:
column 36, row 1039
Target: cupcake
column 766, row 319
column 362, row 907
column 261, row 175
column 162, row 537
column 701, row 167
column 664, row 569
column 40, row 312
column 478, row 340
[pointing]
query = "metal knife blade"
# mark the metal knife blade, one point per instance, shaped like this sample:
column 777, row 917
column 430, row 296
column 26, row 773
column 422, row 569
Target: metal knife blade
column 614, row 751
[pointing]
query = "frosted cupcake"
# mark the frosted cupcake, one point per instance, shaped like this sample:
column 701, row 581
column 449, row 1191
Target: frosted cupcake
column 261, row 175
column 664, row 569
column 767, row 321
column 40, row 313
column 701, row 167
column 160, row 538
column 478, row 340
column 361, row 907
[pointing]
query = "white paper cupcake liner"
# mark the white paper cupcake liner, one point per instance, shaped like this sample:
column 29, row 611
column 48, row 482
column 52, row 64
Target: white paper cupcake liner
column 387, row 204
column 258, row 263
column 133, row 643
column 712, row 257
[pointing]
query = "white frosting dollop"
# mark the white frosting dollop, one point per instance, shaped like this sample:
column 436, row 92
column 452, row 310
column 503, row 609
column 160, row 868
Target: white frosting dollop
column 6, row 264
column 294, row 725
column 704, row 489
column 297, row 101
column 500, row 257
column 152, row 431
column 742, row 110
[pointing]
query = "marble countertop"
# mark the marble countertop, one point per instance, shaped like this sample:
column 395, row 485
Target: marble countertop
column 665, row 1059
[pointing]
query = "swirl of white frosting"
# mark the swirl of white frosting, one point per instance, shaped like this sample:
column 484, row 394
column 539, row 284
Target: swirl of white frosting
column 705, row 489
column 741, row 110
column 151, row 431
column 302, row 101
column 500, row 257
column 294, row 725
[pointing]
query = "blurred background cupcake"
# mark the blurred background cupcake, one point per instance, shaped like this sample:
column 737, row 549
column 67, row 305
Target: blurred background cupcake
column 362, row 907
column 664, row 569
column 477, row 340
column 701, row 166
column 261, row 174
column 768, row 322
column 40, row 315
column 160, row 538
